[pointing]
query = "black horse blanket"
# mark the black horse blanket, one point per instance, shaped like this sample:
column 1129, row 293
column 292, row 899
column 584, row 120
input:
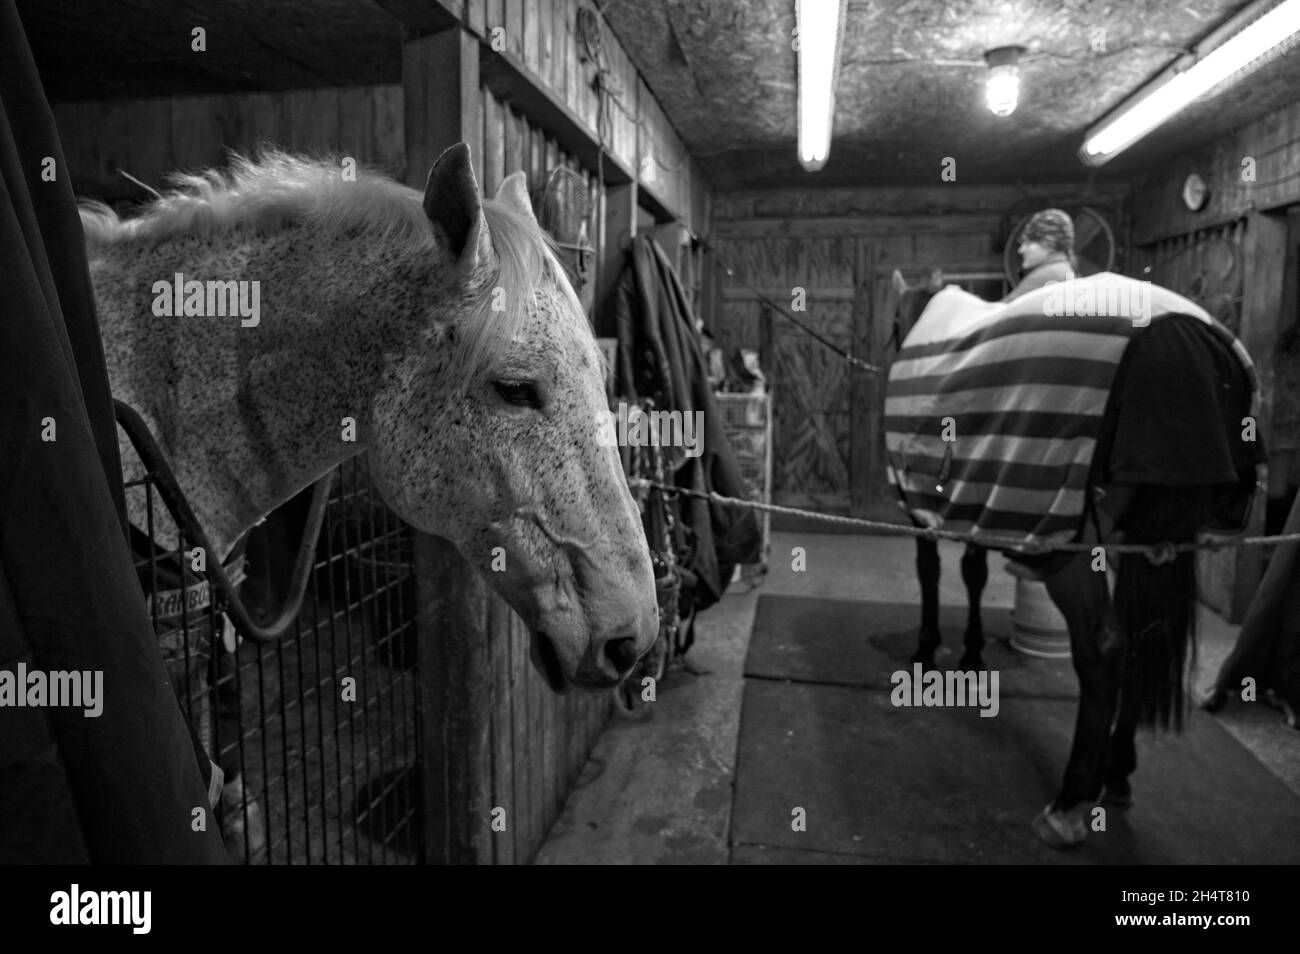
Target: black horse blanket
column 995, row 412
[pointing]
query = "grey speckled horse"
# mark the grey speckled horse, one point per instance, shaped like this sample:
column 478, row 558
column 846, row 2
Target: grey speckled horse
column 441, row 324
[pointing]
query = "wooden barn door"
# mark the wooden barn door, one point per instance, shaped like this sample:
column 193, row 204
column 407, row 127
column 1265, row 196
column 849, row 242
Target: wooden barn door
column 825, row 413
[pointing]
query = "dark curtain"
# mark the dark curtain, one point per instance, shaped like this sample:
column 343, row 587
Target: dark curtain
column 121, row 788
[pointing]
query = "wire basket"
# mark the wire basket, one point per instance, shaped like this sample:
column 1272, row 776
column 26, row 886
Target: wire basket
column 743, row 410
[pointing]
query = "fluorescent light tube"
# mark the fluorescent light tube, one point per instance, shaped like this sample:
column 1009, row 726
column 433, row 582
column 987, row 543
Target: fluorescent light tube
column 820, row 24
column 1152, row 107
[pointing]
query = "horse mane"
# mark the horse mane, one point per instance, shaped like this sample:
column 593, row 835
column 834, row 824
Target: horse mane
column 267, row 193
column 276, row 190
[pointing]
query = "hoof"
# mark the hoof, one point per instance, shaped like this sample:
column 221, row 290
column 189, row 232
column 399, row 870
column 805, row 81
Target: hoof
column 1060, row 830
column 1214, row 700
column 1289, row 714
column 972, row 662
column 926, row 658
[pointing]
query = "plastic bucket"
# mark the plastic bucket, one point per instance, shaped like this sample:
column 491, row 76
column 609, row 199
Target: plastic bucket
column 1037, row 626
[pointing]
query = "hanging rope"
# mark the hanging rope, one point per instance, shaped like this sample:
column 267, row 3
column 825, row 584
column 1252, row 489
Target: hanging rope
column 730, row 273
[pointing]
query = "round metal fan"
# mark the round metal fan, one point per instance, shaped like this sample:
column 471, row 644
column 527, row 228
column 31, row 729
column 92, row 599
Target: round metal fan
column 565, row 212
column 1094, row 244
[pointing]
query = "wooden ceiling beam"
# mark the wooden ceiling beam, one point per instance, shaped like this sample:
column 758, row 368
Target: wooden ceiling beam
column 421, row 17
column 144, row 48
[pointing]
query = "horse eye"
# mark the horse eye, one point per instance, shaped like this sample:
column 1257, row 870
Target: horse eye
column 519, row 393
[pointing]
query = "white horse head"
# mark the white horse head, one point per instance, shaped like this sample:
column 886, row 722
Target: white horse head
column 440, row 324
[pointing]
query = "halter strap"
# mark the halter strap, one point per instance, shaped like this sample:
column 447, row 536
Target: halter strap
column 156, row 464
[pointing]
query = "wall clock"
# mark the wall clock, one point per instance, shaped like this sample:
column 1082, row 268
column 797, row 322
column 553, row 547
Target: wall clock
column 1195, row 192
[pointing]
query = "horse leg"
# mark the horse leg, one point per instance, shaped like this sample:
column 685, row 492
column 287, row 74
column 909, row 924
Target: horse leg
column 1098, row 648
column 927, row 573
column 1121, row 761
column 975, row 574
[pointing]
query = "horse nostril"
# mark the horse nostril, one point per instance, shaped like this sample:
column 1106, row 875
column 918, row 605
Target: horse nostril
column 622, row 653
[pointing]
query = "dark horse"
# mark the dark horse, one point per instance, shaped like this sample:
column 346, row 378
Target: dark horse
column 974, row 559
column 1174, row 453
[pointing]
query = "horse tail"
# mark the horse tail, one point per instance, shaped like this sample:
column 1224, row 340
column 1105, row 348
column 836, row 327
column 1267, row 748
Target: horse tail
column 1156, row 605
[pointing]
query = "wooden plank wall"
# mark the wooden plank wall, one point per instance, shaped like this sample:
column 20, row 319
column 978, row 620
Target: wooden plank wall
column 1232, row 258
column 841, row 245
column 149, row 138
column 1272, row 142
column 543, row 36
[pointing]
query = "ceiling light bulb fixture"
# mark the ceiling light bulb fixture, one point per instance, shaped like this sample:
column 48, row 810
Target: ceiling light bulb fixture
column 1250, row 37
column 820, row 26
column 1002, row 87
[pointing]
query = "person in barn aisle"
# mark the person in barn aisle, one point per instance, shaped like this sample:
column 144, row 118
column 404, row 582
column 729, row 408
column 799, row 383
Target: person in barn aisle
column 1046, row 251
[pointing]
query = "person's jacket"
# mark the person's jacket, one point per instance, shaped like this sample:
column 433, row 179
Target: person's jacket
column 1055, row 268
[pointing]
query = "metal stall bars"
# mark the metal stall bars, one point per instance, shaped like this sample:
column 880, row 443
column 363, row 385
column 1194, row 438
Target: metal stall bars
column 317, row 732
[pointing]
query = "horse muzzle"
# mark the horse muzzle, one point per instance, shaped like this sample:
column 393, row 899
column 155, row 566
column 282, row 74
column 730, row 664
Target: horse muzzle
column 603, row 666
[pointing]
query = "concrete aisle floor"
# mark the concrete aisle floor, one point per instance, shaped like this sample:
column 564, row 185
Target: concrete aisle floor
column 661, row 791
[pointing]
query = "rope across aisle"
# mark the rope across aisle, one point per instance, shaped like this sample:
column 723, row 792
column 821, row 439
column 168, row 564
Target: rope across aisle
column 1158, row 551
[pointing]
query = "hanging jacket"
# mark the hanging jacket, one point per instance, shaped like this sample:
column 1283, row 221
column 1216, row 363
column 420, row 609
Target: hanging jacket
column 659, row 357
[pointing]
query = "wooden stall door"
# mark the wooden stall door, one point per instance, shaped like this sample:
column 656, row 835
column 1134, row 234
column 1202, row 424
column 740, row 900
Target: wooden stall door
column 825, row 413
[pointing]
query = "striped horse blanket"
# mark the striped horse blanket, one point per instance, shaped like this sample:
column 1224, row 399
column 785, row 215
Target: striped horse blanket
column 994, row 410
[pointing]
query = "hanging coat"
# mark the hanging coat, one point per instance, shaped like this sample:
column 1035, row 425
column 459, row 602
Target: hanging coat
column 123, row 786
column 659, row 356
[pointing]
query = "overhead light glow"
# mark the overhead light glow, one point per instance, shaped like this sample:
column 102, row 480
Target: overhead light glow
column 1166, row 97
column 1002, row 88
column 820, row 24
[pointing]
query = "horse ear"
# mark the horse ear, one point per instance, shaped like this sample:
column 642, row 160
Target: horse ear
column 453, row 203
column 898, row 281
column 513, row 191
